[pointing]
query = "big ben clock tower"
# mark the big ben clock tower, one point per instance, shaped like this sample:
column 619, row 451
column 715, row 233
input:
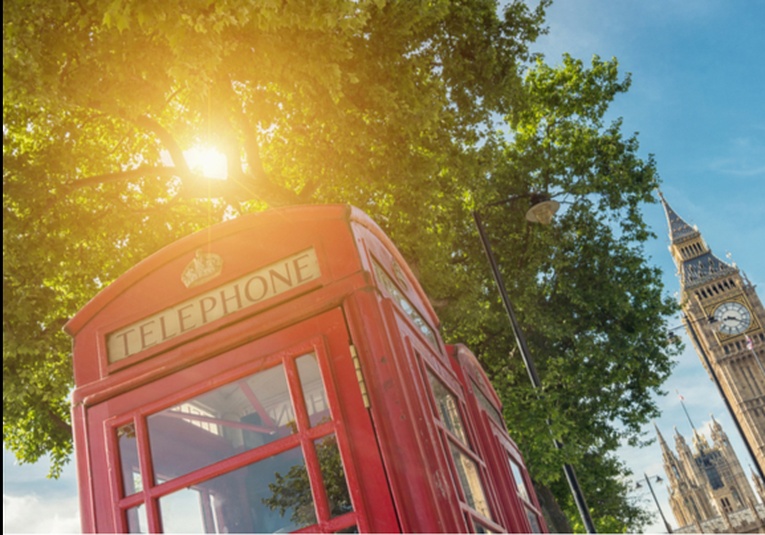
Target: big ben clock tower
column 724, row 318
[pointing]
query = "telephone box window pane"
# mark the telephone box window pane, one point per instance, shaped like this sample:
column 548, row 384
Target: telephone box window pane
column 283, row 493
column 236, row 417
column 415, row 317
column 533, row 521
column 313, row 389
column 333, row 475
column 479, row 528
column 136, row 519
column 269, row 496
column 448, row 408
column 520, row 485
column 184, row 511
column 470, row 480
column 487, row 405
column 128, row 446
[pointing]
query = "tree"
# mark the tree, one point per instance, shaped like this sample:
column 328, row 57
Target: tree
column 587, row 299
column 392, row 107
column 359, row 102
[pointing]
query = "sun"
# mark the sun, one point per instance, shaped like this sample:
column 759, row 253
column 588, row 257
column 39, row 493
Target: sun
column 207, row 161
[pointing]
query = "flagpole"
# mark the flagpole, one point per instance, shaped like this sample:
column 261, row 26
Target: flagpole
column 682, row 400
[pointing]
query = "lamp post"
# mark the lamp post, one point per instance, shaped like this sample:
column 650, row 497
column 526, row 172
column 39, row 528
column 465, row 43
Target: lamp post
column 656, row 501
column 541, row 211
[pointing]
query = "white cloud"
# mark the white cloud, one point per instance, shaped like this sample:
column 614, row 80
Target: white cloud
column 31, row 514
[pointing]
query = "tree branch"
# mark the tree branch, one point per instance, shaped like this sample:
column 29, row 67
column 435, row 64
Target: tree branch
column 144, row 170
column 167, row 140
column 59, row 422
column 257, row 182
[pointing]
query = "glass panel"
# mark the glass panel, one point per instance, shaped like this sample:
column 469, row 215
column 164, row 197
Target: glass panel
column 520, row 484
column 350, row 529
column 128, row 446
column 487, row 405
column 269, row 496
column 136, row 519
column 415, row 317
column 470, row 480
column 236, row 417
column 333, row 475
column 533, row 522
column 288, row 497
column 478, row 527
column 448, row 409
column 175, row 509
column 313, row 389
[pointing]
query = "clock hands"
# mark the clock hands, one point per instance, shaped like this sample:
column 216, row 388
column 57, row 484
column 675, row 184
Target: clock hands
column 734, row 318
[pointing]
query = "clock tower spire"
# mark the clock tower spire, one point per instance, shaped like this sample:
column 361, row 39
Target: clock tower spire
column 724, row 318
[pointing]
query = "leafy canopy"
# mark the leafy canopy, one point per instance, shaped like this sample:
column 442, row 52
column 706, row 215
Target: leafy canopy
column 395, row 107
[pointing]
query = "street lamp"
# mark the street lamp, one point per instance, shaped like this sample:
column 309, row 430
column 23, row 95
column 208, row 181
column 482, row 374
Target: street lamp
column 541, row 211
column 658, row 480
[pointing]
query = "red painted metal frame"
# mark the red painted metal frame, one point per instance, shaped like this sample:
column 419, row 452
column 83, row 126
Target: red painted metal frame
column 395, row 451
column 496, row 444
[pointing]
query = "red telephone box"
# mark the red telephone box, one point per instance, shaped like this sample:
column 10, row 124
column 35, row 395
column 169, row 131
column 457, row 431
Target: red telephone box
column 284, row 372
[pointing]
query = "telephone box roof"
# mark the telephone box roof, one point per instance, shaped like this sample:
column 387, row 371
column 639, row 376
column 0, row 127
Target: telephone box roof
column 286, row 216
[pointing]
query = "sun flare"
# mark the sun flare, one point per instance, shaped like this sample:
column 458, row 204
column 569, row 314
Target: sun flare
column 207, row 161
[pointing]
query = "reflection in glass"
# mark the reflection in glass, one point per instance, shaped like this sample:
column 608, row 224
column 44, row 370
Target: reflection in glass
column 175, row 509
column 136, row 519
column 236, row 417
column 333, row 475
column 520, row 485
column 480, row 528
column 448, row 410
column 487, row 405
column 269, row 496
column 387, row 283
column 314, row 396
column 470, row 481
column 533, row 522
column 128, row 447
column 523, row 492
column 289, row 495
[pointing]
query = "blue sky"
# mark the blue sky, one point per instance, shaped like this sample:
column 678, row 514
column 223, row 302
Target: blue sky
column 697, row 102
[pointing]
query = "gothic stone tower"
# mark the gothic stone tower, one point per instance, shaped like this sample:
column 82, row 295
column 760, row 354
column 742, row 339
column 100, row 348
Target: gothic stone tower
column 708, row 483
column 687, row 496
column 724, row 318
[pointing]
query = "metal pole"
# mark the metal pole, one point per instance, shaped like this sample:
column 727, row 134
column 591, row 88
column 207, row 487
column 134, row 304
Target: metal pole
column 573, row 482
column 703, row 353
column 666, row 524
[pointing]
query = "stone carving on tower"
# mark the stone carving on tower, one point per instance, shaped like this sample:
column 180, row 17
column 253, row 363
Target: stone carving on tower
column 724, row 318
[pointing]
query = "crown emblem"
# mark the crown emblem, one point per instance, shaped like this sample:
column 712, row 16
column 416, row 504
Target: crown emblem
column 203, row 267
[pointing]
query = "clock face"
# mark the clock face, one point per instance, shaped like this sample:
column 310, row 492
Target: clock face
column 733, row 318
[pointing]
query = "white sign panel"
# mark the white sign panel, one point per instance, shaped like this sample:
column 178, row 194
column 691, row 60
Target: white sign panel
column 251, row 289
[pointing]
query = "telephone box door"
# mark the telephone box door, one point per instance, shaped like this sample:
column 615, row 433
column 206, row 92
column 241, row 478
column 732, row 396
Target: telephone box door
column 272, row 435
